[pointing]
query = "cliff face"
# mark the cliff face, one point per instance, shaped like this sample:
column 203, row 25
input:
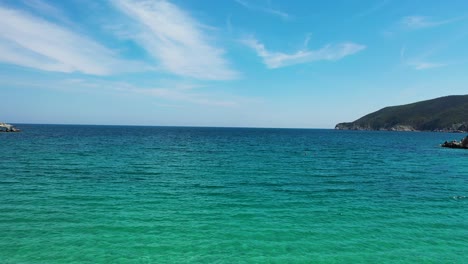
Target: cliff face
column 449, row 114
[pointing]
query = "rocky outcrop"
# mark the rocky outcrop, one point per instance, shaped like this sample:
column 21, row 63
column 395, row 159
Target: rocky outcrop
column 463, row 144
column 4, row 127
column 354, row 126
column 351, row 126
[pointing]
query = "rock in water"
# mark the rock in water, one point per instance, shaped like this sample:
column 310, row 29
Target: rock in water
column 456, row 144
column 464, row 142
column 4, row 127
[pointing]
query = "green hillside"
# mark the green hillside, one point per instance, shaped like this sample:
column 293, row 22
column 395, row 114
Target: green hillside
column 448, row 113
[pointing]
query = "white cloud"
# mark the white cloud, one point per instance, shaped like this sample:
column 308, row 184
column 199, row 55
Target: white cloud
column 175, row 39
column 419, row 22
column 279, row 59
column 33, row 42
column 267, row 10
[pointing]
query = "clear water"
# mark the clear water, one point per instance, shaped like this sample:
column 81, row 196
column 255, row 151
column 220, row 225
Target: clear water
column 103, row 194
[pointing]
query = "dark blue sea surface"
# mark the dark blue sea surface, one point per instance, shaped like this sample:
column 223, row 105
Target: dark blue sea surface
column 120, row 194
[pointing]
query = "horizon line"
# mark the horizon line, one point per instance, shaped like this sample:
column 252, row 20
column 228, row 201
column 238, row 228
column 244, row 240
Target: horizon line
column 181, row 126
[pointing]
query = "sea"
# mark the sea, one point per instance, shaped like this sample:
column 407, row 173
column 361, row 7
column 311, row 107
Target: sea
column 135, row 194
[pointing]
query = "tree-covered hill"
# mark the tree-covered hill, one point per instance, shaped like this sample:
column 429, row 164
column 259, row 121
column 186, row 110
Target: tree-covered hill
column 448, row 113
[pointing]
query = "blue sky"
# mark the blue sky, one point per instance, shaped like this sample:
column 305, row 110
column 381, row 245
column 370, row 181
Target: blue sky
column 249, row 63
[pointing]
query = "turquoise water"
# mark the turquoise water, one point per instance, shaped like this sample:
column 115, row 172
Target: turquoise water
column 103, row 194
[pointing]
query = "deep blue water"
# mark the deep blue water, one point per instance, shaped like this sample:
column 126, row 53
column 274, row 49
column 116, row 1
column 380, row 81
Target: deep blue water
column 118, row 194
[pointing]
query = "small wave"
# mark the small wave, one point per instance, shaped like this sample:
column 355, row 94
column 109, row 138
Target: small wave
column 460, row 197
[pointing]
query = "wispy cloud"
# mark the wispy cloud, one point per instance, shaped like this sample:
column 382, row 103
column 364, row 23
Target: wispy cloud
column 166, row 90
column 279, row 59
column 170, row 91
column 175, row 40
column 376, row 7
column 183, row 96
column 420, row 63
column 46, row 8
column 30, row 41
column 264, row 9
column 420, row 22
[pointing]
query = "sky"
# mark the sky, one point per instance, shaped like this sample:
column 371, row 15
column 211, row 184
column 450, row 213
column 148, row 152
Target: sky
column 229, row 63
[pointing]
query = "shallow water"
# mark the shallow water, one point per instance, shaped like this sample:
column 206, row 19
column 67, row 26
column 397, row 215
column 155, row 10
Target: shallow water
column 115, row 194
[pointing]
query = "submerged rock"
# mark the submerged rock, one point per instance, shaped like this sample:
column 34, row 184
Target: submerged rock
column 456, row 144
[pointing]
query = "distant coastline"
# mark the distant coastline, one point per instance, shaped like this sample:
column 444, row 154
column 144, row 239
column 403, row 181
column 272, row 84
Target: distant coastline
column 400, row 128
column 444, row 114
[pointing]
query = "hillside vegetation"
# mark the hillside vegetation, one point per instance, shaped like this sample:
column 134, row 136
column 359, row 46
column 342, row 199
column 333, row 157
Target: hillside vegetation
column 448, row 113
